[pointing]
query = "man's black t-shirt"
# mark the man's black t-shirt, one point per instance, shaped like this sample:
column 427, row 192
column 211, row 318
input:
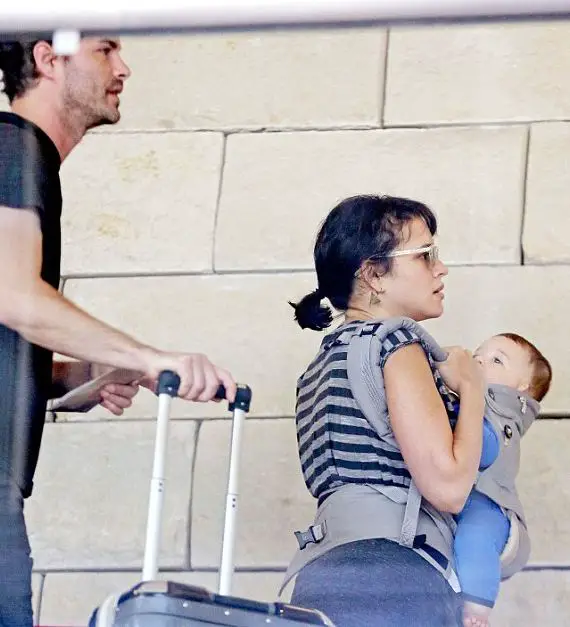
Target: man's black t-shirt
column 29, row 180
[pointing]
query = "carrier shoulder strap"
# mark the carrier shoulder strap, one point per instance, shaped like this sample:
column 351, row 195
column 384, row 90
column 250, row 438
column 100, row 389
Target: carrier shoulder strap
column 366, row 381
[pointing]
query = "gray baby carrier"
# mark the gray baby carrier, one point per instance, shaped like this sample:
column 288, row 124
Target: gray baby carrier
column 352, row 512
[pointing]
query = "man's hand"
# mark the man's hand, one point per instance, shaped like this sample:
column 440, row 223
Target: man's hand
column 116, row 397
column 79, row 386
column 114, row 388
column 199, row 377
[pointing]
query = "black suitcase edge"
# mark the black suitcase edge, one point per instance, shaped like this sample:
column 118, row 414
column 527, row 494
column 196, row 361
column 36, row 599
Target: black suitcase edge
column 197, row 594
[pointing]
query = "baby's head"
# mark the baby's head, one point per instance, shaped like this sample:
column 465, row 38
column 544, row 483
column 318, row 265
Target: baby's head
column 511, row 360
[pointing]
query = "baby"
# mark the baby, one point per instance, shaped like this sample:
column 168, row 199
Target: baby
column 518, row 377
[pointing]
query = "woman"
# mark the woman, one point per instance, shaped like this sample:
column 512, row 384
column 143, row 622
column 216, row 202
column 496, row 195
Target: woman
column 376, row 261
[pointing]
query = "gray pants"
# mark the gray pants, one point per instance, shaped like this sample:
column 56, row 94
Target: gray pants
column 15, row 560
column 377, row 583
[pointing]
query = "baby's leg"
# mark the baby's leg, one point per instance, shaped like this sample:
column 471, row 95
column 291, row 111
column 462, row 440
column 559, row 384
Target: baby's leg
column 482, row 532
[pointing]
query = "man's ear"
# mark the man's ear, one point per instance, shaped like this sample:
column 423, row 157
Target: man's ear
column 44, row 58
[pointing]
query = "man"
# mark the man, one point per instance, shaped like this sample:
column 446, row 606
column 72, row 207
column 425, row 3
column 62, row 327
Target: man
column 54, row 101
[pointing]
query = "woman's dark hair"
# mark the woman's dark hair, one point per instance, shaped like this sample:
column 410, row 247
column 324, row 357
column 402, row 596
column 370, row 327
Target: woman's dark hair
column 19, row 71
column 357, row 229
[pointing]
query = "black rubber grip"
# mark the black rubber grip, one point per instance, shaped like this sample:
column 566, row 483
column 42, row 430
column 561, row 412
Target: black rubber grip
column 242, row 400
column 221, row 393
column 168, row 383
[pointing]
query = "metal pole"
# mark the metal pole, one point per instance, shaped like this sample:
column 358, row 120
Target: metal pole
column 232, row 496
column 154, row 519
column 187, row 15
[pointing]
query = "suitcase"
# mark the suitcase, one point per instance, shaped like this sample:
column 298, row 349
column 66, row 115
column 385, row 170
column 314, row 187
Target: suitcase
column 154, row 602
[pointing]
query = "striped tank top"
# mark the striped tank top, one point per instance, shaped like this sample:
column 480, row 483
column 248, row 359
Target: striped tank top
column 337, row 444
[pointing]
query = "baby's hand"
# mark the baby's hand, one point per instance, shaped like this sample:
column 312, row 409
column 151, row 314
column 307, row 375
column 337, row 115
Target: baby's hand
column 460, row 369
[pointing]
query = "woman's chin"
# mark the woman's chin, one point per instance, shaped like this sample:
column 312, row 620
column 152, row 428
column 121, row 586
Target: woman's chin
column 434, row 312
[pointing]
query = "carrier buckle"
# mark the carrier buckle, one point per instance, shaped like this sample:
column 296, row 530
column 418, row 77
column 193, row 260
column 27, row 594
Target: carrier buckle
column 314, row 534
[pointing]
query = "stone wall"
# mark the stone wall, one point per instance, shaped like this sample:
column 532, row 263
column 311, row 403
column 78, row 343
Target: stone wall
column 191, row 224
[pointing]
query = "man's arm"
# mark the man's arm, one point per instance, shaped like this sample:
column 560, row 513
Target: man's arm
column 41, row 315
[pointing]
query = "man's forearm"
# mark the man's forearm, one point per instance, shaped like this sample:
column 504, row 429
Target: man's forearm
column 44, row 317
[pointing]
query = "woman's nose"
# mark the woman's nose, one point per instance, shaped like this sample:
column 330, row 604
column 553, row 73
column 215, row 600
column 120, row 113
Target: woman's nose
column 440, row 269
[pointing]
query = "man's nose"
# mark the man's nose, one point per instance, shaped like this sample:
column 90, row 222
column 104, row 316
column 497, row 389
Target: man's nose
column 122, row 71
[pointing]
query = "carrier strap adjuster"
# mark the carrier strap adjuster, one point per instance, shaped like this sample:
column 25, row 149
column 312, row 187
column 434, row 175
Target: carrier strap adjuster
column 313, row 535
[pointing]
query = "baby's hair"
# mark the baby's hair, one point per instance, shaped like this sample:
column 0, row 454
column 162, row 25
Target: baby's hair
column 541, row 368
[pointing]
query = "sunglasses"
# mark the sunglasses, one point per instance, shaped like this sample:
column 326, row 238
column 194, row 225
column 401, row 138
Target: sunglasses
column 430, row 253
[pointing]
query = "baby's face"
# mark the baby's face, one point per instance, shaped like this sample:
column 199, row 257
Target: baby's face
column 505, row 363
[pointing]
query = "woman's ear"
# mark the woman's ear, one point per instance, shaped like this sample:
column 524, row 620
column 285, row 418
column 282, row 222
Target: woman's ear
column 371, row 276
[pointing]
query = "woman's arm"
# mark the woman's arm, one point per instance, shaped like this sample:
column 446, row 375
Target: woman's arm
column 443, row 463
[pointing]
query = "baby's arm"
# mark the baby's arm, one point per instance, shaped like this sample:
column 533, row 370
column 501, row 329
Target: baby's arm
column 491, row 445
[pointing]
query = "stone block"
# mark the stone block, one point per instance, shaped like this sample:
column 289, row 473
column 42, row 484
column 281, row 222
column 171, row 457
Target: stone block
column 323, row 78
column 547, row 220
column 478, row 73
column 529, row 300
column 471, row 177
column 534, row 598
column 242, row 323
column 140, row 203
column 89, row 508
column 70, row 598
column 480, row 301
column 544, row 490
column 273, row 501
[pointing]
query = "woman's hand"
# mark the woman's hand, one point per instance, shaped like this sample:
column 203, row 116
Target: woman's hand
column 460, row 369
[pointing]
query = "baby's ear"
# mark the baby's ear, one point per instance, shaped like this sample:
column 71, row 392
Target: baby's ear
column 523, row 387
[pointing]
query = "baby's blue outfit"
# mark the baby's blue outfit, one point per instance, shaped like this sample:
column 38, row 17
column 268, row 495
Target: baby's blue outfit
column 482, row 533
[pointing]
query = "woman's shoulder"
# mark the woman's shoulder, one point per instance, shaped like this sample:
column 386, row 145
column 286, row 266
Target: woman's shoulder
column 392, row 334
column 379, row 327
column 396, row 333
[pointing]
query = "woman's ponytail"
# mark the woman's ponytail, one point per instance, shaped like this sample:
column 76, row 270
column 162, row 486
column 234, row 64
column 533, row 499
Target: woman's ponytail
column 310, row 313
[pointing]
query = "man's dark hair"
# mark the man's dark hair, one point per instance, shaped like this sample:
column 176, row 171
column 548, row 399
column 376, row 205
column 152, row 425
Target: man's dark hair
column 19, row 71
